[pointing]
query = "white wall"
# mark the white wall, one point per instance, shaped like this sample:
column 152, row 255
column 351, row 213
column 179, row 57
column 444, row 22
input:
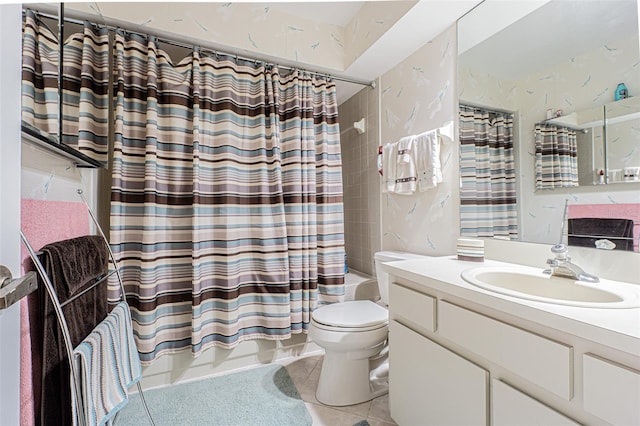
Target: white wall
column 46, row 176
column 419, row 95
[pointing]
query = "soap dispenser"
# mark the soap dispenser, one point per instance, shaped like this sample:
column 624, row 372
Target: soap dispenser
column 621, row 92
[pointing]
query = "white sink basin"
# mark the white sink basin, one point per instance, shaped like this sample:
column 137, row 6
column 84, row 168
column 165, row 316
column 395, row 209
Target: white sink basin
column 532, row 284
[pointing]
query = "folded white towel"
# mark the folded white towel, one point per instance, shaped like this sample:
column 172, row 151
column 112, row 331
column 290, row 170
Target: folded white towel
column 427, row 154
column 389, row 161
column 406, row 168
column 108, row 364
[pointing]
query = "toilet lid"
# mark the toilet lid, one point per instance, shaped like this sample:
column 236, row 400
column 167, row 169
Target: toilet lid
column 353, row 314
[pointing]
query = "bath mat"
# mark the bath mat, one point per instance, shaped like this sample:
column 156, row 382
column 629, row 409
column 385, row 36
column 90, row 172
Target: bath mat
column 260, row 396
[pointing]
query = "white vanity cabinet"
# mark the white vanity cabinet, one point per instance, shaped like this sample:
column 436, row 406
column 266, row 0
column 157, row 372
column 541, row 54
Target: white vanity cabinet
column 432, row 385
column 456, row 361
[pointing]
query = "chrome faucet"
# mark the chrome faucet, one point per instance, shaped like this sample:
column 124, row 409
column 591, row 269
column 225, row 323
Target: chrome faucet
column 561, row 266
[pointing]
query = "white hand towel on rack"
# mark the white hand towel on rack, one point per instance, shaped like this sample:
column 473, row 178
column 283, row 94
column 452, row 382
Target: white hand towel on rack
column 427, row 154
column 389, row 161
column 406, row 168
column 108, row 364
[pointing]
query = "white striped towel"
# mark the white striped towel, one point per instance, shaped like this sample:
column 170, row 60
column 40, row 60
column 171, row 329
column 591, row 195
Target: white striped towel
column 426, row 147
column 389, row 161
column 108, row 364
column 405, row 169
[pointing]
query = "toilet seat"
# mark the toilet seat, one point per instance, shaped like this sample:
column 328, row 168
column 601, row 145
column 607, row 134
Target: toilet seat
column 357, row 315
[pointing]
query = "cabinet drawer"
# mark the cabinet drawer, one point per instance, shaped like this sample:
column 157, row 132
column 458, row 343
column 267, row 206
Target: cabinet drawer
column 510, row 407
column 544, row 362
column 611, row 391
column 414, row 306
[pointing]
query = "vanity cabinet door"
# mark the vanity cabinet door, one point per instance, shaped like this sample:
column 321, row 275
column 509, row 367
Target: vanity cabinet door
column 611, row 391
column 430, row 385
column 510, row 407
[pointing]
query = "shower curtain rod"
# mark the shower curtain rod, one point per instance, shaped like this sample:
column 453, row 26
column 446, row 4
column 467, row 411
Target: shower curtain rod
column 549, row 121
column 485, row 107
column 113, row 25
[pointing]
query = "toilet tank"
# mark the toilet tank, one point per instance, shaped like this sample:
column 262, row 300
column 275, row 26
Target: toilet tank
column 382, row 277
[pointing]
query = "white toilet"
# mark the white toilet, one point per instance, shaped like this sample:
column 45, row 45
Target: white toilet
column 353, row 335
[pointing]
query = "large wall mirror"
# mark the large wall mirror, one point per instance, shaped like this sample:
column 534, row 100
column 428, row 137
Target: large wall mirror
column 65, row 87
column 556, row 66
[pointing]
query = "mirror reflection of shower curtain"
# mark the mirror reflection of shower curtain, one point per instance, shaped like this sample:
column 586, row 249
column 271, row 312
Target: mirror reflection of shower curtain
column 556, row 156
column 488, row 205
column 85, row 99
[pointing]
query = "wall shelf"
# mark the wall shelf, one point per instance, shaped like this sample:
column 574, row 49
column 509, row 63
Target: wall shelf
column 41, row 139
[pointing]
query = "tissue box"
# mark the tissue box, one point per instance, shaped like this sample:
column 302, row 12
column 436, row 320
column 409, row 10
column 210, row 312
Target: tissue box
column 470, row 249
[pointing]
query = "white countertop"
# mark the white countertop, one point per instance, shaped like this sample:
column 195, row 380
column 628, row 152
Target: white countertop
column 616, row 328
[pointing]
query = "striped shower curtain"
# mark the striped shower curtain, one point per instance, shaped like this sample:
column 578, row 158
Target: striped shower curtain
column 226, row 210
column 556, row 156
column 488, row 205
column 85, row 124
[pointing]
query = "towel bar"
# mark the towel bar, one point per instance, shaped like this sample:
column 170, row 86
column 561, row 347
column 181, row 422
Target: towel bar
column 57, row 307
column 89, row 288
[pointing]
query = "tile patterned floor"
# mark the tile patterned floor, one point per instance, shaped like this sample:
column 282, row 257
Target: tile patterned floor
column 305, row 372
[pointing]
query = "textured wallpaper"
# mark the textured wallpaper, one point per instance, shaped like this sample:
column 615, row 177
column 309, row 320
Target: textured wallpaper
column 585, row 81
column 247, row 27
column 373, row 20
column 255, row 27
column 482, row 89
column 624, row 138
column 418, row 95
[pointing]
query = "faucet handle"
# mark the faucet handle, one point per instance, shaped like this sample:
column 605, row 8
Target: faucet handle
column 560, row 251
column 559, row 248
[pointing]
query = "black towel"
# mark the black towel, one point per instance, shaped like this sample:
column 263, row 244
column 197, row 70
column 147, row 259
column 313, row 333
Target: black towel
column 76, row 261
column 585, row 232
column 72, row 265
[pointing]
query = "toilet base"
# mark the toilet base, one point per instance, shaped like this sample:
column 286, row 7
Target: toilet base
column 345, row 381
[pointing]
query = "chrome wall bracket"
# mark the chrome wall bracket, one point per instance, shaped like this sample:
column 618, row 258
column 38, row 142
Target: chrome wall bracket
column 12, row 290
